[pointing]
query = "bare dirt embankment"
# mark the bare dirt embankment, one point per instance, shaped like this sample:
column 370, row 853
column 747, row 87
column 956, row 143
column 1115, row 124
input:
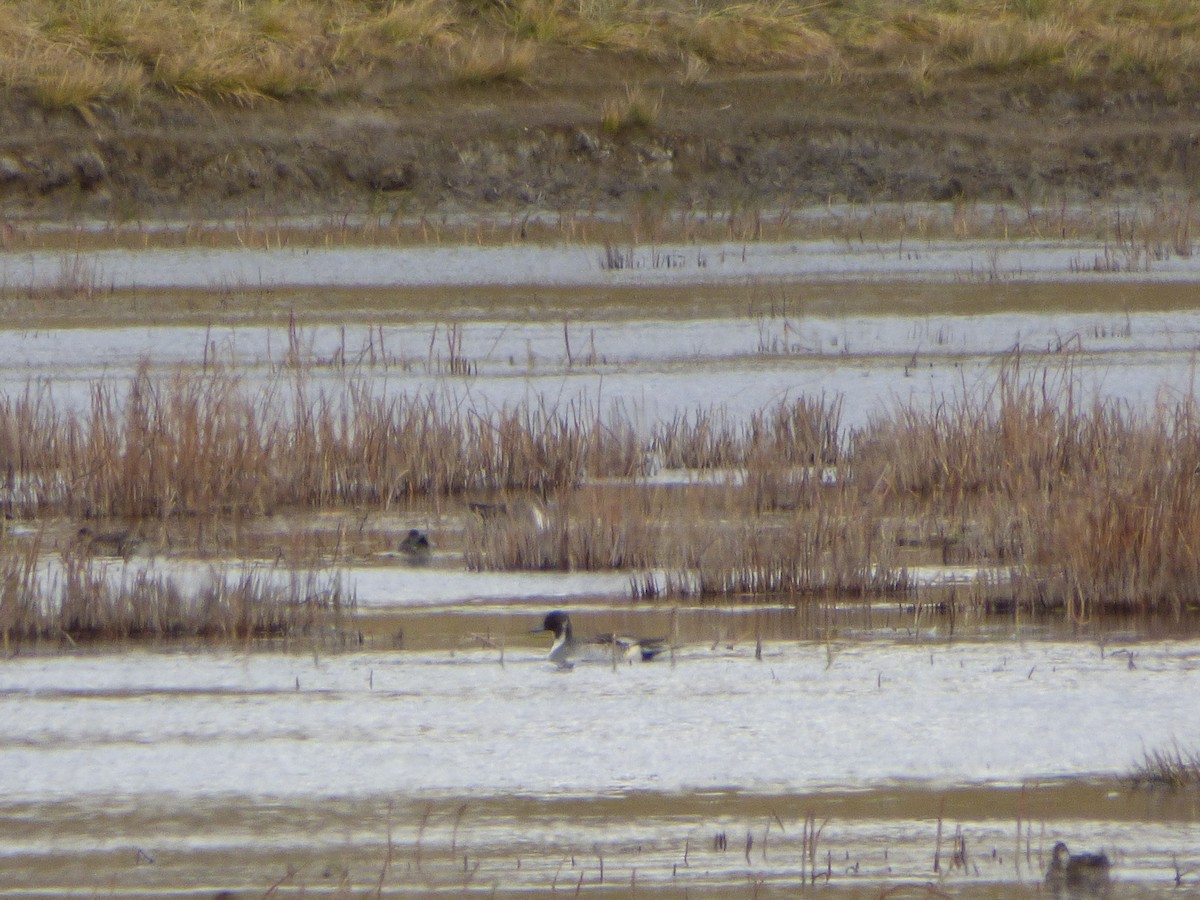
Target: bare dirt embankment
column 732, row 140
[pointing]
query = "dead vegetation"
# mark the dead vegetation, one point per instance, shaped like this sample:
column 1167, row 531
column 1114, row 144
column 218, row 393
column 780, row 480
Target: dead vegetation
column 80, row 53
column 1172, row 768
column 1075, row 506
column 1134, row 237
column 83, row 600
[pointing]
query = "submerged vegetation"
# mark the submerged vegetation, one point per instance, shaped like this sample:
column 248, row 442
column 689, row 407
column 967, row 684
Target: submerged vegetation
column 77, row 53
column 1067, row 506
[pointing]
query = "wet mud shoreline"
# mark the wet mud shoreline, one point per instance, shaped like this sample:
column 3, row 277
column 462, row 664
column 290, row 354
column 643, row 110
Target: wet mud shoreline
column 733, row 141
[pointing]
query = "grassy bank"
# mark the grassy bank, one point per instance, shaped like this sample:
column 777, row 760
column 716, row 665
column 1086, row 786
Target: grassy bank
column 78, row 53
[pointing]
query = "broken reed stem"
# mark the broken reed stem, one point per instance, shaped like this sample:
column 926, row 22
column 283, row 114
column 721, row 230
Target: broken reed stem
column 425, row 814
column 937, row 848
column 387, row 859
column 1020, row 814
column 458, row 814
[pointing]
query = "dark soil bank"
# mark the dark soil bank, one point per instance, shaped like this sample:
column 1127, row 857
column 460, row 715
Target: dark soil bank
column 733, row 141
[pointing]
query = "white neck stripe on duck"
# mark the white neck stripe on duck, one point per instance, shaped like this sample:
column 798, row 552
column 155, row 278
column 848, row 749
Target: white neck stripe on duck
column 567, row 647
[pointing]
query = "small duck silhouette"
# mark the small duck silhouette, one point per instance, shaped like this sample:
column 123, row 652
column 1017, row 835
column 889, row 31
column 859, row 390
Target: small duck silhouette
column 416, row 547
column 530, row 510
column 1077, row 875
column 122, row 543
column 568, row 649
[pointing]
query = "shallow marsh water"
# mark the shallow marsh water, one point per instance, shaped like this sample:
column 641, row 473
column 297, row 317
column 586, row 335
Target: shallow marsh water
column 446, row 754
column 305, row 760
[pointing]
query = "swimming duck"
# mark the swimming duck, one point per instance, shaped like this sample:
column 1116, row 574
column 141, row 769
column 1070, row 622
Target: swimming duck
column 416, row 546
column 1077, row 875
column 569, row 649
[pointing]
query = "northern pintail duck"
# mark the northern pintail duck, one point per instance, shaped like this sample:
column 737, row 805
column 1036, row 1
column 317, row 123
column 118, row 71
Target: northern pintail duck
column 1077, row 875
column 416, row 547
column 569, row 649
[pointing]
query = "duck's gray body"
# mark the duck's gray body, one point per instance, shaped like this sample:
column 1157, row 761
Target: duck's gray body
column 121, row 543
column 416, row 547
column 1077, row 875
column 569, row 649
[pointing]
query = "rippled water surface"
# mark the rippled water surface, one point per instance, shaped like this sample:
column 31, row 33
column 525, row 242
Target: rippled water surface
column 300, row 759
column 837, row 748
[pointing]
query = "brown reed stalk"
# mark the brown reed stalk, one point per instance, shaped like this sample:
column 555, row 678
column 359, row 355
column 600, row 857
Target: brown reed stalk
column 1172, row 768
column 593, row 528
column 1086, row 506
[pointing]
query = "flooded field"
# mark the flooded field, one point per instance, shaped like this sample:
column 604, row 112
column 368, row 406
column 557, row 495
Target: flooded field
column 228, row 770
column 900, row 732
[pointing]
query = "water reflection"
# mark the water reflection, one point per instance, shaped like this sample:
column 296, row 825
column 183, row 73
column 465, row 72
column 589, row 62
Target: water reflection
column 861, row 746
column 863, row 762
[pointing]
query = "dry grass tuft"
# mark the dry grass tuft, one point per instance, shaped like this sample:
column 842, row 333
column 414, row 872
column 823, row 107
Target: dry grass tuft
column 398, row 25
column 637, row 109
column 491, row 62
column 754, row 34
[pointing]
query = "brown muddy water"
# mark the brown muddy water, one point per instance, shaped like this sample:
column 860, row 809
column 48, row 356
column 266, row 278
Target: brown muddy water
column 840, row 747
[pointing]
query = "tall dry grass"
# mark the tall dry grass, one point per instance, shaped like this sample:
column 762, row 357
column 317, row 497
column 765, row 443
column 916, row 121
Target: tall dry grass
column 82, row 602
column 1076, row 505
column 582, row 529
column 1092, row 505
column 180, row 444
column 832, row 550
column 76, row 53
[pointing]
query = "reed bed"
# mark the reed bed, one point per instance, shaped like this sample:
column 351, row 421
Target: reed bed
column 1091, row 504
column 1077, row 506
column 82, row 602
column 182, row 444
column 825, row 553
column 1020, row 436
column 802, row 432
column 585, row 529
column 1072, row 504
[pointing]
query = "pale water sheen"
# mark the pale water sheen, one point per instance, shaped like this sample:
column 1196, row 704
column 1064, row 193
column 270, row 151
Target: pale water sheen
column 546, row 764
column 468, row 764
